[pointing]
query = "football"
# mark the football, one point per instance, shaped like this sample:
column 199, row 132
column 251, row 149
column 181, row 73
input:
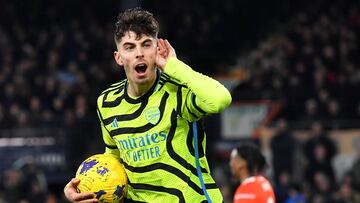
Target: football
column 103, row 175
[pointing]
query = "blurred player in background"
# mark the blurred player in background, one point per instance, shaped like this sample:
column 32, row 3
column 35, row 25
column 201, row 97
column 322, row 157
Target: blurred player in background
column 149, row 121
column 247, row 164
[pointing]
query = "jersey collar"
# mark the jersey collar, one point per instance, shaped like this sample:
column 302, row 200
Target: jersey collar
column 146, row 95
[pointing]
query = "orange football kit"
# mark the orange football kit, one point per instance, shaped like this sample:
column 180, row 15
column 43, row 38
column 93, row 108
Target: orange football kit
column 255, row 189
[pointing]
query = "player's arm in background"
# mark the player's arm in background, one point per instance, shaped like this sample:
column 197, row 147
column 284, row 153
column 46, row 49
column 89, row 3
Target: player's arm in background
column 205, row 95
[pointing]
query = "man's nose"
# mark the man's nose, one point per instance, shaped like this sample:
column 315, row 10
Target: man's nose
column 139, row 52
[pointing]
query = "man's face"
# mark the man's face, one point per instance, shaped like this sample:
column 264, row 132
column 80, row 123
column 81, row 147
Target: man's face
column 137, row 55
column 236, row 164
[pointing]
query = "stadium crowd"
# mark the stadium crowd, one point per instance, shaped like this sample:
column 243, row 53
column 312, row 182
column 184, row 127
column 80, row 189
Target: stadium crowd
column 54, row 64
column 311, row 65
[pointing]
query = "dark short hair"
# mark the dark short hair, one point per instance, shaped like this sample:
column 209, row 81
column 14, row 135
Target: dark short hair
column 139, row 21
column 252, row 155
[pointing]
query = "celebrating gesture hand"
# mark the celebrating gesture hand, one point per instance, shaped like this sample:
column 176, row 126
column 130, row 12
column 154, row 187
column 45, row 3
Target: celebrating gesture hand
column 164, row 52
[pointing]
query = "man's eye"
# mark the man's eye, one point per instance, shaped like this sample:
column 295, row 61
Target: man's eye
column 129, row 48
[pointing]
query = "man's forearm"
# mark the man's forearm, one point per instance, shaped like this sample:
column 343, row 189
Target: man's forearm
column 211, row 95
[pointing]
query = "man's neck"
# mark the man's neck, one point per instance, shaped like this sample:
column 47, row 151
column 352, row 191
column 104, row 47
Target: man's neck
column 138, row 90
column 243, row 175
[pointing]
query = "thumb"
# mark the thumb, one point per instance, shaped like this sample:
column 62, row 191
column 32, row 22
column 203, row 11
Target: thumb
column 75, row 181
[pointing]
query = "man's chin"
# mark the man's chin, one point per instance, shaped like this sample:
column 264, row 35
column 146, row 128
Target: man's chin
column 142, row 80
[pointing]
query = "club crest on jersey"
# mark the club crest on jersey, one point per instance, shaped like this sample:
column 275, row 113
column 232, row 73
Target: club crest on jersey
column 152, row 114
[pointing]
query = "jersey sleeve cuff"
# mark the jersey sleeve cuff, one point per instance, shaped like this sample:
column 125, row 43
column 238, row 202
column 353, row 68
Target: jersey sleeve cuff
column 178, row 70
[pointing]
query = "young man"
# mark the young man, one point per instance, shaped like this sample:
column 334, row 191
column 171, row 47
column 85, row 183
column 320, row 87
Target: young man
column 150, row 119
column 247, row 164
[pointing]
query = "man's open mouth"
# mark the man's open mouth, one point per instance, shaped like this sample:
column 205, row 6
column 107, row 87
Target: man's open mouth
column 141, row 68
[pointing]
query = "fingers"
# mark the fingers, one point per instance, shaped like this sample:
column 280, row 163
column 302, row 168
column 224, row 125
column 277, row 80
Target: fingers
column 70, row 188
column 84, row 197
column 75, row 181
column 164, row 52
column 73, row 195
column 162, row 48
column 161, row 43
column 167, row 45
column 170, row 52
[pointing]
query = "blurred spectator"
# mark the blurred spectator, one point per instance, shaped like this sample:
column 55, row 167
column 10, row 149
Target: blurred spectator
column 321, row 186
column 346, row 194
column 355, row 170
column 295, row 194
column 25, row 182
column 312, row 112
column 320, row 150
column 35, row 108
column 334, row 115
column 36, row 193
column 33, row 179
column 323, row 99
column 343, row 162
column 12, row 188
column 282, row 187
column 282, row 147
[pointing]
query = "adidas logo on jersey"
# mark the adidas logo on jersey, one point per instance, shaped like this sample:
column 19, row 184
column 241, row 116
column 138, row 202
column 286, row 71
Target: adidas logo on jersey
column 114, row 124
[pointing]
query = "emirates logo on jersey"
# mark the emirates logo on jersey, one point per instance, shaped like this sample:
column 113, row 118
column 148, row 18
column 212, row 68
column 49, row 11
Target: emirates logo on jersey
column 152, row 114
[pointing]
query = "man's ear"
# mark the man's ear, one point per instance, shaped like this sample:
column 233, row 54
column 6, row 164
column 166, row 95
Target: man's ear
column 117, row 58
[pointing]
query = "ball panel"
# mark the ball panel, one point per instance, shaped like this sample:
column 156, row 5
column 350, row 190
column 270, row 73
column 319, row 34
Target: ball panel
column 103, row 175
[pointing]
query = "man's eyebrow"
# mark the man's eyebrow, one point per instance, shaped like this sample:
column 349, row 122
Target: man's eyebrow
column 128, row 44
column 147, row 40
column 132, row 44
